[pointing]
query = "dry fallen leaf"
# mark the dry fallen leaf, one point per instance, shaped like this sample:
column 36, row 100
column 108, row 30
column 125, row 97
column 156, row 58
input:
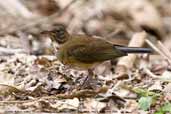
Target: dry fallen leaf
column 92, row 105
column 68, row 104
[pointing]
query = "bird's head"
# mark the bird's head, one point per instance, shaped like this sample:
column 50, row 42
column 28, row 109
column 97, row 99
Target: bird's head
column 59, row 34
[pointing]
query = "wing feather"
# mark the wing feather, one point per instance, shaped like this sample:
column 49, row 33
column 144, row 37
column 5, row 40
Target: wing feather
column 94, row 51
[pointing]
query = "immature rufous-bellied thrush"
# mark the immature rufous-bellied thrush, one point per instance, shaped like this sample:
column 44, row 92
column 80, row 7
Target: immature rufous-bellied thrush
column 86, row 52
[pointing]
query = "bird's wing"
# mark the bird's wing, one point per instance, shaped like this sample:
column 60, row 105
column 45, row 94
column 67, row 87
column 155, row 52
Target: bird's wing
column 94, row 51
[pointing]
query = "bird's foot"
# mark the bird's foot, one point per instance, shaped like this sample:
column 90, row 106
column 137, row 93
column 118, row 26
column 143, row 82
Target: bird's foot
column 90, row 82
column 86, row 84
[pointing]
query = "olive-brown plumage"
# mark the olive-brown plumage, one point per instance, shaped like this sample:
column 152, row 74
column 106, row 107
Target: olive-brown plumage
column 85, row 52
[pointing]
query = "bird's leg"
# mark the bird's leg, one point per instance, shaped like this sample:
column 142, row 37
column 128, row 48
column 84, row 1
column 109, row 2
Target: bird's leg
column 86, row 82
column 90, row 73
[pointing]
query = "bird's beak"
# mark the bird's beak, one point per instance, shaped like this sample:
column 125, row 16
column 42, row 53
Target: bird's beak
column 45, row 33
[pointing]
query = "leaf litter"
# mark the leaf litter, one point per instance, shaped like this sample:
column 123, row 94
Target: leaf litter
column 33, row 80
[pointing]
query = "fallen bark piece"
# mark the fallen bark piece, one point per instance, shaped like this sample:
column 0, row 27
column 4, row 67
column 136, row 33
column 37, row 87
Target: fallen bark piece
column 127, row 62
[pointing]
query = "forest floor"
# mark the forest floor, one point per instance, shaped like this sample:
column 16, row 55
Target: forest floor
column 33, row 80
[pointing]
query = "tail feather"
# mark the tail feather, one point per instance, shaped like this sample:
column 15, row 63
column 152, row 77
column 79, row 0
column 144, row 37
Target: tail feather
column 133, row 49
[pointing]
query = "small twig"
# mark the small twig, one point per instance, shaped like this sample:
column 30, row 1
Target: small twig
column 161, row 78
column 149, row 73
column 15, row 102
column 165, row 50
column 83, row 93
column 79, row 94
column 157, row 50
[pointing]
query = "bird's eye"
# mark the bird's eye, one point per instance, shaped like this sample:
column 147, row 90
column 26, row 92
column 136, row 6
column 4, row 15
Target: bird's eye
column 60, row 33
column 58, row 29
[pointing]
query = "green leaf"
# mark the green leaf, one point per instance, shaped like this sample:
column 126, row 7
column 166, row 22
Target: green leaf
column 145, row 102
column 165, row 108
column 144, row 92
column 158, row 113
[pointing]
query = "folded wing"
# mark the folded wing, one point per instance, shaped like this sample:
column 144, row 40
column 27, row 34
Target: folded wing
column 94, row 51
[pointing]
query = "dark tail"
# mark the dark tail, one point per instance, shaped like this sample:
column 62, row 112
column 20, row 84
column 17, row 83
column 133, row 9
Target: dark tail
column 133, row 49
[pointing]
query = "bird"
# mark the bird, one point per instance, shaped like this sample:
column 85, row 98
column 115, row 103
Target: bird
column 86, row 52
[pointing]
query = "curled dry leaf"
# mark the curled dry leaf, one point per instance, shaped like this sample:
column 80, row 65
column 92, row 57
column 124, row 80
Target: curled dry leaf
column 68, row 104
column 43, row 61
column 132, row 106
column 157, row 86
column 6, row 90
column 92, row 105
column 6, row 78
